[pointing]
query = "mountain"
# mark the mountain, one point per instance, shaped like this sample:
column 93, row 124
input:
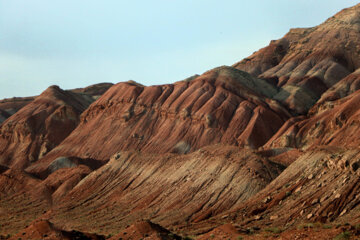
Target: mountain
column 223, row 105
column 41, row 125
column 306, row 62
column 334, row 123
column 134, row 186
column 10, row 106
column 265, row 149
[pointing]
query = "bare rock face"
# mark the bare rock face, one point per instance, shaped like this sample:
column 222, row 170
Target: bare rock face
column 320, row 186
column 3, row 116
column 343, row 88
column 170, row 189
column 223, row 105
column 331, row 123
column 40, row 126
column 221, row 155
column 95, row 90
column 308, row 61
column 10, row 106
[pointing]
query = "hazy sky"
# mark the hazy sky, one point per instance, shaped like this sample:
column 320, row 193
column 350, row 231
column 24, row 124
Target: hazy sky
column 75, row 43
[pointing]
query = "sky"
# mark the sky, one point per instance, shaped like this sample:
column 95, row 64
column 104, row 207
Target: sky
column 76, row 43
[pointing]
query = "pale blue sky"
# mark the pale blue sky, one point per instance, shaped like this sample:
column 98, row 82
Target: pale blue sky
column 75, row 43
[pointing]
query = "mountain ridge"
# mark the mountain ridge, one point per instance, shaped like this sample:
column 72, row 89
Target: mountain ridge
column 264, row 149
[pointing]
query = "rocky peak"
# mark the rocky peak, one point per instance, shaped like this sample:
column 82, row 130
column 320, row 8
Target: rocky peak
column 40, row 125
column 348, row 17
column 309, row 61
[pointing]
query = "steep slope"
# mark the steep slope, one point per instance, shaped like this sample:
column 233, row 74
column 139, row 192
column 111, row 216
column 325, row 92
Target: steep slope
column 215, row 156
column 40, row 126
column 3, row 116
column 321, row 185
column 314, row 194
column 223, row 105
column 308, row 61
column 343, row 88
column 95, row 90
column 331, row 123
column 24, row 198
column 169, row 189
column 10, row 106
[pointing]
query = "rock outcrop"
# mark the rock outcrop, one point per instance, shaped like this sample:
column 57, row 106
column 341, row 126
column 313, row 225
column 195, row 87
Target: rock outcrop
column 10, row 106
column 308, row 61
column 331, row 123
column 133, row 186
column 320, row 186
column 226, row 154
column 343, row 88
column 40, row 126
column 224, row 105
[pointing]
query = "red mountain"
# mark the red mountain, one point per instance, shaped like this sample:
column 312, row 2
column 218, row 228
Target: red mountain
column 41, row 125
column 265, row 149
column 223, row 105
column 308, row 61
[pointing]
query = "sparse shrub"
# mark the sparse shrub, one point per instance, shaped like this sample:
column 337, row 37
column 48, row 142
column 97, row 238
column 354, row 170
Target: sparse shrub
column 187, row 238
column 288, row 194
column 250, row 231
column 318, row 224
column 343, row 235
column 181, row 147
column 240, row 238
column 212, row 236
column 273, row 230
column 209, row 120
column 308, row 225
column 326, row 226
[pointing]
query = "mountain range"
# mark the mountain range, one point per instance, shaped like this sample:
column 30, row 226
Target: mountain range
column 266, row 148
